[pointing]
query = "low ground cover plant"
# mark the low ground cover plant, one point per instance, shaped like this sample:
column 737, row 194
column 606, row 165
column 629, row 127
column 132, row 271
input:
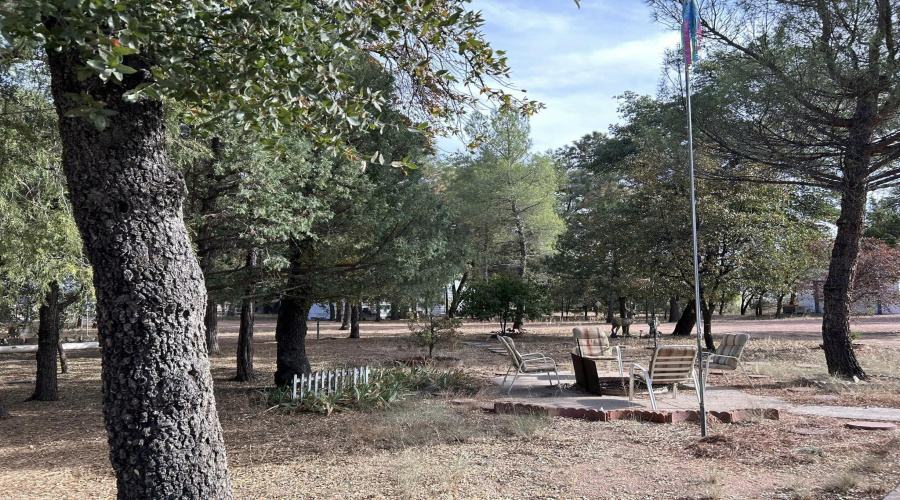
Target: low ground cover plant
column 386, row 387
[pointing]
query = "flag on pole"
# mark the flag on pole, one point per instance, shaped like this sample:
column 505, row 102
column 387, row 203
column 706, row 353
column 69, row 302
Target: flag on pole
column 692, row 32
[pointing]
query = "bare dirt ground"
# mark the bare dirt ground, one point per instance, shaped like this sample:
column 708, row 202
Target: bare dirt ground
column 433, row 449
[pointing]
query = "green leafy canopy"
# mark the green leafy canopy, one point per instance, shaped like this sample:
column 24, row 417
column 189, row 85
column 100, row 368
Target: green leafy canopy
column 270, row 65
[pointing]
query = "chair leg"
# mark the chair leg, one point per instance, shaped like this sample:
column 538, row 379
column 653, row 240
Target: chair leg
column 652, row 397
column 504, row 377
column 513, row 382
column 725, row 374
column 631, row 388
column 675, row 390
column 746, row 374
column 621, row 371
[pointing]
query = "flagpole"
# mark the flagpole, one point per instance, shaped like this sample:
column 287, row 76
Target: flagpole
column 701, row 382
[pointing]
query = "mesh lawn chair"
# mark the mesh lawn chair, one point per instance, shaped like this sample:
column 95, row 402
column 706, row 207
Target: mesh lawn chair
column 533, row 362
column 592, row 342
column 728, row 355
column 670, row 364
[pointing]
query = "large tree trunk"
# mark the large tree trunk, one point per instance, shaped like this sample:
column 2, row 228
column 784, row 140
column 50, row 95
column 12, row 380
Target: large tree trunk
column 685, row 324
column 290, row 339
column 245, row 371
column 211, row 322
column 759, row 303
column 610, row 309
column 332, row 312
column 354, row 321
column 674, row 309
column 46, row 387
column 841, row 270
column 779, row 305
column 164, row 434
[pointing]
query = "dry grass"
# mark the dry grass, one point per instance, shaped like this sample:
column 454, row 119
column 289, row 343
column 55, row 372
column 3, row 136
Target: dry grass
column 433, row 449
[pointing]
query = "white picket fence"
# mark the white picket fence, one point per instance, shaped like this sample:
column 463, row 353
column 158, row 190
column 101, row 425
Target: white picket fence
column 329, row 381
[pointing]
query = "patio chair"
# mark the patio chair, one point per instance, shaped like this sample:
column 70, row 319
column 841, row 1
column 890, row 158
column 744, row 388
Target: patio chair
column 670, row 364
column 728, row 355
column 592, row 342
column 533, row 362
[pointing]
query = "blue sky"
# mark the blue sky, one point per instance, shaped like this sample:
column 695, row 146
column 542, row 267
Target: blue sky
column 575, row 60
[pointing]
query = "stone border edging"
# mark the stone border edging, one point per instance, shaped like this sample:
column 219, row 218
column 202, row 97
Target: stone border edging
column 657, row 416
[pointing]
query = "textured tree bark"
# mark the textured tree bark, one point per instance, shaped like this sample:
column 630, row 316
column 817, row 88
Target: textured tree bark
column 610, row 310
column 377, row 306
column 46, row 386
column 211, row 322
column 331, row 312
column 290, row 338
column 779, row 304
column 354, row 320
column 836, row 338
column 245, row 371
column 164, row 434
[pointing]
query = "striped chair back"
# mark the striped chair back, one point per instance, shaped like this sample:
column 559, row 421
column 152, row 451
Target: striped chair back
column 591, row 341
column 514, row 357
column 732, row 345
column 672, row 363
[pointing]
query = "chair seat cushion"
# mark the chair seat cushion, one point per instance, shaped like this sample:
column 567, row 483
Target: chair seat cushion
column 538, row 367
column 716, row 366
column 727, row 361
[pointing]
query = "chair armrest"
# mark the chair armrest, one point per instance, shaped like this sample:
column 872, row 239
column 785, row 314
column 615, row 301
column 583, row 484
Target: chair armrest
column 644, row 373
column 538, row 354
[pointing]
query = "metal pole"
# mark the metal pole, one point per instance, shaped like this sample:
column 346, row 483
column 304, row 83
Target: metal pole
column 701, row 389
column 317, row 328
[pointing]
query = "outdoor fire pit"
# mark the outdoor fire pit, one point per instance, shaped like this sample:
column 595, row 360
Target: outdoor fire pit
column 587, row 378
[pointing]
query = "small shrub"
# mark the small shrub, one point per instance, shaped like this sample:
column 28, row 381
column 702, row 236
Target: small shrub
column 386, row 387
column 430, row 331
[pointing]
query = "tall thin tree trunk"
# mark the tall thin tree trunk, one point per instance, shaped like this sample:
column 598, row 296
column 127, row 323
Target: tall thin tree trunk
column 779, row 304
column 46, row 386
column 610, row 309
column 211, row 321
column 457, row 295
column 331, row 312
column 345, row 321
column 707, row 324
column 290, row 339
column 160, row 412
column 340, row 312
column 63, row 362
column 245, row 371
column 759, row 303
column 354, row 320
